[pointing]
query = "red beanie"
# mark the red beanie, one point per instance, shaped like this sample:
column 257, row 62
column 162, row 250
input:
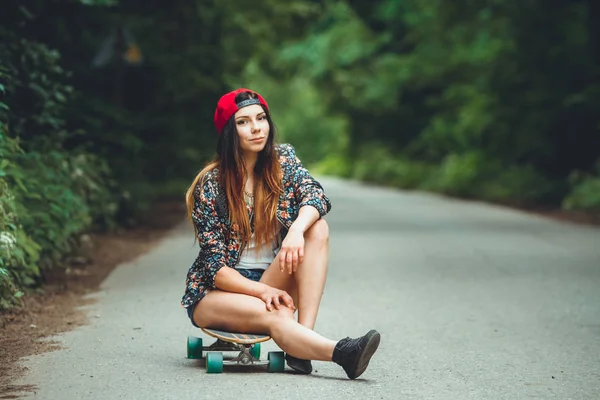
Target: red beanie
column 227, row 107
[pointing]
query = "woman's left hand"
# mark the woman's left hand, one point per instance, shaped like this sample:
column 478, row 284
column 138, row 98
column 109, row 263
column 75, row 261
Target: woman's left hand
column 291, row 254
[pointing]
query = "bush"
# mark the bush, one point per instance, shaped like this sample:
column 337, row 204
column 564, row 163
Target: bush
column 18, row 252
column 522, row 185
column 49, row 194
column 471, row 175
column 335, row 165
column 49, row 209
column 46, row 202
column 377, row 164
column 585, row 192
column 460, row 174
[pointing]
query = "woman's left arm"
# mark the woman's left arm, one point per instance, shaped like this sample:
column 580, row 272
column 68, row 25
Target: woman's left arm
column 307, row 216
column 292, row 249
column 313, row 204
column 307, row 190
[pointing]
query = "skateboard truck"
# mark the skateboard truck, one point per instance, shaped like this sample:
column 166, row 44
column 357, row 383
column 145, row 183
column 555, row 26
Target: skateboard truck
column 221, row 345
column 245, row 356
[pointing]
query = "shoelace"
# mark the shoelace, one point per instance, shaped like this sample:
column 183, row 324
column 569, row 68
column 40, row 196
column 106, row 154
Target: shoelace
column 351, row 345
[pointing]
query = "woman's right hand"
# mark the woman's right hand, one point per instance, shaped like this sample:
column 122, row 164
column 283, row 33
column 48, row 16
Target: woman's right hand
column 276, row 298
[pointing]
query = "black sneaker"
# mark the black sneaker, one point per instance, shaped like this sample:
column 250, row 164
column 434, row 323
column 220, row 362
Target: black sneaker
column 298, row 364
column 354, row 354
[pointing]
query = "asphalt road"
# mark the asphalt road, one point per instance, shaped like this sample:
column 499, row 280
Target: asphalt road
column 472, row 302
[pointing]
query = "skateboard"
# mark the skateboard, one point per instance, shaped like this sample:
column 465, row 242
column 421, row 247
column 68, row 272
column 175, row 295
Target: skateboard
column 246, row 344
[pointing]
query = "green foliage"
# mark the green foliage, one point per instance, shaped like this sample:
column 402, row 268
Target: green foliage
column 475, row 175
column 50, row 191
column 458, row 174
column 335, row 57
column 90, row 178
column 467, row 97
column 46, row 201
column 49, row 209
column 99, row 2
column 469, row 175
column 585, row 191
column 519, row 185
column 35, row 89
column 18, row 252
column 334, row 165
column 377, row 163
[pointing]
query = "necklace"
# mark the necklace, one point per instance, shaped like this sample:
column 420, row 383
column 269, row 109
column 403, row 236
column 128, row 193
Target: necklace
column 249, row 198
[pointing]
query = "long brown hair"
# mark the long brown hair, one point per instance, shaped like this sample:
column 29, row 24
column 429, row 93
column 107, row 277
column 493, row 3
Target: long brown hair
column 232, row 177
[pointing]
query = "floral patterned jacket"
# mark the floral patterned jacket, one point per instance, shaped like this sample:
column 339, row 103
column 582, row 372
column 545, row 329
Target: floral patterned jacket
column 219, row 244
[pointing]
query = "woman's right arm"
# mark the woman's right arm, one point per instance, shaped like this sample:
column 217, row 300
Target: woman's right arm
column 229, row 280
column 212, row 244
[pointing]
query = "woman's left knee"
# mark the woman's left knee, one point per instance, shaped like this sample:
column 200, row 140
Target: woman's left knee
column 319, row 231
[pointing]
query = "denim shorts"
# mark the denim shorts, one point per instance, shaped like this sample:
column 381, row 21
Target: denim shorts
column 252, row 274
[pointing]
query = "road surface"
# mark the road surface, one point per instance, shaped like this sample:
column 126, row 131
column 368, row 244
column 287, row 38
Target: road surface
column 472, row 301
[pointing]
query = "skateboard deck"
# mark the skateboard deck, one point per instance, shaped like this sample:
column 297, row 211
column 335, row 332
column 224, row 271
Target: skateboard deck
column 234, row 337
column 247, row 345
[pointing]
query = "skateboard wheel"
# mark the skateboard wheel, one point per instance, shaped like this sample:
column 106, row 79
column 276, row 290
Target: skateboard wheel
column 194, row 347
column 255, row 351
column 214, row 363
column 276, row 359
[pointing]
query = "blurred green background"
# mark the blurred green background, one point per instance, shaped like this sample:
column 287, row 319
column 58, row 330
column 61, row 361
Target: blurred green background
column 106, row 105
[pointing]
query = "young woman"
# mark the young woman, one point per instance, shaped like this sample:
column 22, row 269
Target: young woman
column 263, row 244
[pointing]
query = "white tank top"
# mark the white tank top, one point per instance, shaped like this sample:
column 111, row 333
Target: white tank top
column 251, row 259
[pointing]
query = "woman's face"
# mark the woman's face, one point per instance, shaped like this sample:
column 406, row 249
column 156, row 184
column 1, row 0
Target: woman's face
column 252, row 128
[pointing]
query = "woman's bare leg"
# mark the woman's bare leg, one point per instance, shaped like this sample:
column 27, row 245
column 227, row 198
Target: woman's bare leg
column 307, row 283
column 242, row 313
column 312, row 273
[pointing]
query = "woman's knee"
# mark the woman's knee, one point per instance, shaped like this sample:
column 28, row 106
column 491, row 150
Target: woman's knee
column 319, row 231
column 276, row 319
column 283, row 313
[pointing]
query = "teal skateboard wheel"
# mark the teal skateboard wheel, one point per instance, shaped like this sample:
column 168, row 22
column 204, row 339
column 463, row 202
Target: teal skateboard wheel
column 255, row 351
column 214, row 363
column 194, row 347
column 276, row 359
